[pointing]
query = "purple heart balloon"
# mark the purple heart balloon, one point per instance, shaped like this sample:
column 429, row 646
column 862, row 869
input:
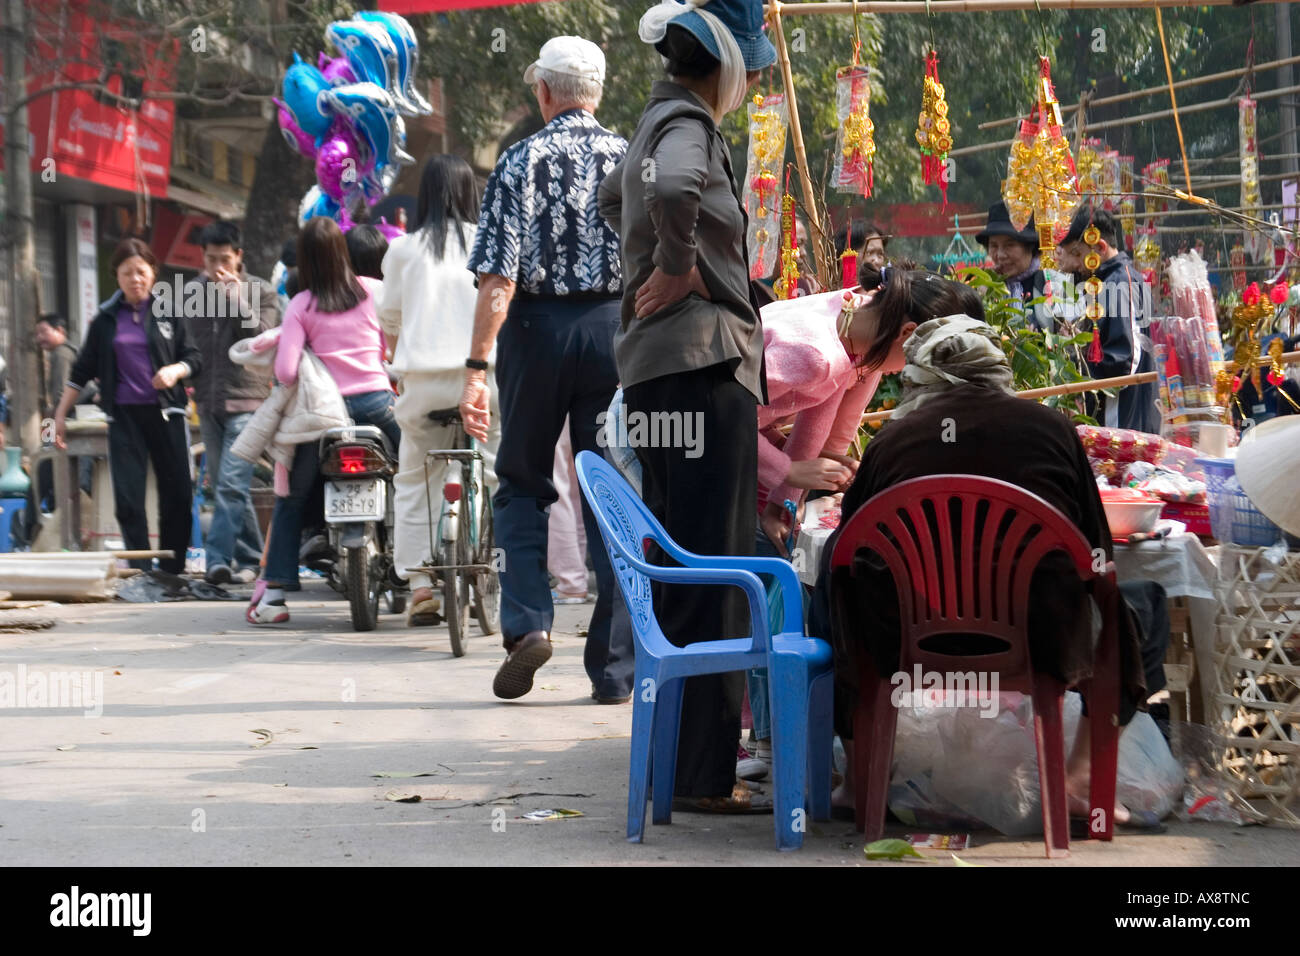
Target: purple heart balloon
column 337, row 70
column 294, row 134
column 341, row 163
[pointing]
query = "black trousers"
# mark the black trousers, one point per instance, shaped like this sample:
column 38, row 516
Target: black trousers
column 555, row 357
column 707, row 504
column 137, row 436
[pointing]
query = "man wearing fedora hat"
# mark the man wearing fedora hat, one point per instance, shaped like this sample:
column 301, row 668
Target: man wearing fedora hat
column 550, row 282
column 1015, row 258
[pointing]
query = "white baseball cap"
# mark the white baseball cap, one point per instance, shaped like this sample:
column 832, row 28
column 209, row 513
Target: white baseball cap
column 572, row 55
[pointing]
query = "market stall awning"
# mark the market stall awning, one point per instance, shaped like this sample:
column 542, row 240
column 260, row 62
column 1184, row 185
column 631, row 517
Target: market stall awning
column 445, row 6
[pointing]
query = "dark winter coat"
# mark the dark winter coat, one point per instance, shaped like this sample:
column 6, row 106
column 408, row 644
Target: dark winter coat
column 168, row 343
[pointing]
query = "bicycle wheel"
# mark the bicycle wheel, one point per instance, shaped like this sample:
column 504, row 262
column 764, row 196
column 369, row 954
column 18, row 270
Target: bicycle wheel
column 487, row 585
column 455, row 594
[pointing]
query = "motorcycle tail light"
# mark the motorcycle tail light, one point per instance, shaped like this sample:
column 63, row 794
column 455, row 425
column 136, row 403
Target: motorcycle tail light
column 451, row 491
column 354, row 460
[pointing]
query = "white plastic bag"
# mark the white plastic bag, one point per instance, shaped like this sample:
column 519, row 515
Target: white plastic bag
column 986, row 769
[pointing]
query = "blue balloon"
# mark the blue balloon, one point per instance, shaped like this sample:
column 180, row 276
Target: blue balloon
column 368, row 49
column 404, row 90
column 315, row 203
column 303, row 84
column 372, row 113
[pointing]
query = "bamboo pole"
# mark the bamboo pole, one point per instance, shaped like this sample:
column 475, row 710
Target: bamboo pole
column 1140, row 118
column 988, row 6
column 1074, row 388
column 1152, row 91
column 812, row 208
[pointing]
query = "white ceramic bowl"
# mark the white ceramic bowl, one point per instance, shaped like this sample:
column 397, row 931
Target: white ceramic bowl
column 1131, row 517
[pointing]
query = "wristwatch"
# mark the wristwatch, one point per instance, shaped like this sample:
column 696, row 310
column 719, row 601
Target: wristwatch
column 477, row 364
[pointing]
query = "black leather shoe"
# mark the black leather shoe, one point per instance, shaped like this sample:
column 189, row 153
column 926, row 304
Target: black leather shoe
column 515, row 676
column 595, row 695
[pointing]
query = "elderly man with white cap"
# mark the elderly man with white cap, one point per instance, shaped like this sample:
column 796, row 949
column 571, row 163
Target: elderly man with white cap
column 550, row 283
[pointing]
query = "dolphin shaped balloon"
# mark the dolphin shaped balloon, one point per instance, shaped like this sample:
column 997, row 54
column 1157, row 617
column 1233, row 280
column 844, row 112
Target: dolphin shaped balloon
column 368, row 49
column 404, row 90
column 303, row 84
column 372, row 112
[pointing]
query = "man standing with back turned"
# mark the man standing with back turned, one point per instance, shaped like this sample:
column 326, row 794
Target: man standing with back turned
column 549, row 281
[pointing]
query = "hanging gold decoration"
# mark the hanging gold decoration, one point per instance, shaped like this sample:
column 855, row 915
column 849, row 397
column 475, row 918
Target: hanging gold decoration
column 855, row 150
column 933, row 130
column 767, row 132
column 785, row 284
column 1041, row 179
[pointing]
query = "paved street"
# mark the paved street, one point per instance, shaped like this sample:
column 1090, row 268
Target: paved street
column 225, row 744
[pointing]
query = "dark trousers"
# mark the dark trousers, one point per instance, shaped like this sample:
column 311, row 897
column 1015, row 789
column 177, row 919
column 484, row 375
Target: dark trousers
column 368, row 408
column 708, row 505
column 137, row 436
column 555, row 357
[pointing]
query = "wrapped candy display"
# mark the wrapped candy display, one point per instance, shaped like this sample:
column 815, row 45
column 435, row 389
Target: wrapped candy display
column 1147, row 463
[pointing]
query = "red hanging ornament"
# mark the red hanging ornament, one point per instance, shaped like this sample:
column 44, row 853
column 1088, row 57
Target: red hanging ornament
column 1279, row 292
column 933, row 130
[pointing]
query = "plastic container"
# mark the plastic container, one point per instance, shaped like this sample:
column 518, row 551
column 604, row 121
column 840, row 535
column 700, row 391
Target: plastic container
column 1232, row 516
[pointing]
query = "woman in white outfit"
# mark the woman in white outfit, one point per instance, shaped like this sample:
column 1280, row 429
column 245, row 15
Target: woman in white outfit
column 428, row 306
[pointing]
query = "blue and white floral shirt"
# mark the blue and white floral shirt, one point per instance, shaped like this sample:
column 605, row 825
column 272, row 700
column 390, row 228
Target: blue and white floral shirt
column 539, row 224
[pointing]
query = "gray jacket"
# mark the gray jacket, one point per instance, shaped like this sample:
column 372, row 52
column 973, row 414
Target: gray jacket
column 674, row 204
column 224, row 387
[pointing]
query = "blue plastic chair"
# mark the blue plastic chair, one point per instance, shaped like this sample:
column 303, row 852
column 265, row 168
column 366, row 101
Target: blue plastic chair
column 800, row 667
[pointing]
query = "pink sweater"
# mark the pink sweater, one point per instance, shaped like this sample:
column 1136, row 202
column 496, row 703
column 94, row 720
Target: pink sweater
column 350, row 344
column 810, row 382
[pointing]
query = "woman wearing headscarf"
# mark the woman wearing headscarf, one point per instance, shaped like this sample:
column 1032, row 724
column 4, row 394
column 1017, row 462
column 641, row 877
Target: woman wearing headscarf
column 959, row 415
column 691, row 342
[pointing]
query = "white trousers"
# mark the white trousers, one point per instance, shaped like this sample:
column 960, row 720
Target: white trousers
column 413, row 501
column 566, row 536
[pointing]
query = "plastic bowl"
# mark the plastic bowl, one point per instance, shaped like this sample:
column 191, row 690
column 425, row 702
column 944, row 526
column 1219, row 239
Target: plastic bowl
column 1128, row 518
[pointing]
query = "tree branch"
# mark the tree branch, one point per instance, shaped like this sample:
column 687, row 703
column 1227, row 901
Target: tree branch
column 231, row 96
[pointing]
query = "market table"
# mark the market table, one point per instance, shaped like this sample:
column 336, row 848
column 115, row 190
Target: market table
column 1185, row 569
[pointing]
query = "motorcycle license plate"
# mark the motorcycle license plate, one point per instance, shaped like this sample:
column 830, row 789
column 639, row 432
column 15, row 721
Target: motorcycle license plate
column 354, row 500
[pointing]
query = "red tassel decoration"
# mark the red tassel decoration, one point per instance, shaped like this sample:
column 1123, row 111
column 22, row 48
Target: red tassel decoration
column 1094, row 349
column 848, row 262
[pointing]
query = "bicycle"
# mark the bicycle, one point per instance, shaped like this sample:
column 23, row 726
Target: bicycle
column 465, row 558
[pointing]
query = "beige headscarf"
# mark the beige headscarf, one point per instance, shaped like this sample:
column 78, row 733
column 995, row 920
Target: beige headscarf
column 950, row 351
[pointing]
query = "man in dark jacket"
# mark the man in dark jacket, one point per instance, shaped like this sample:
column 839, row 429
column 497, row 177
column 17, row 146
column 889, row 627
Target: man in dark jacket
column 1121, row 330
column 228, row 304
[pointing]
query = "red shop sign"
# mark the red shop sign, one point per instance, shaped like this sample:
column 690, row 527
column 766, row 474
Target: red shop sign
column 93, row 137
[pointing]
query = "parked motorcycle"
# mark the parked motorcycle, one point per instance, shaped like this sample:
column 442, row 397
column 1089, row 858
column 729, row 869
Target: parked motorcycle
column 358, row 464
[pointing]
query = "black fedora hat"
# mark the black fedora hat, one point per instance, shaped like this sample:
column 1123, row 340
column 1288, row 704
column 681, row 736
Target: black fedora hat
column 999, row 224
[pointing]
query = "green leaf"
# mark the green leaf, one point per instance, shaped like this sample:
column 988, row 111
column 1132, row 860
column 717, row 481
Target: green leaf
column 958, row 861
column 890, row 850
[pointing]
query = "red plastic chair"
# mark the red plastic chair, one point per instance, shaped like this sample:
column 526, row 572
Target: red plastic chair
column 951, row 581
